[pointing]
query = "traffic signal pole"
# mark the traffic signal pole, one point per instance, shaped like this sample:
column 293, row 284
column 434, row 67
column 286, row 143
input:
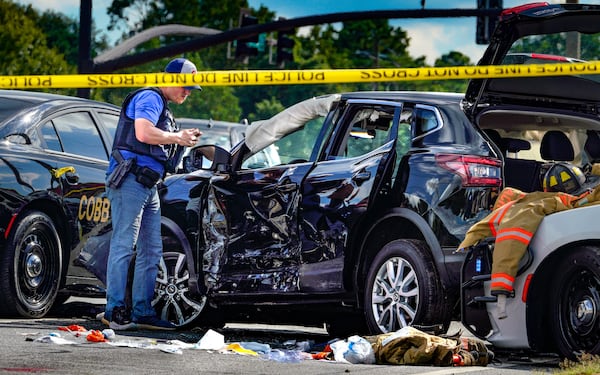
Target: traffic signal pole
column 246, row 46
column 253, row 30
column 85, row 64
column 285, row 45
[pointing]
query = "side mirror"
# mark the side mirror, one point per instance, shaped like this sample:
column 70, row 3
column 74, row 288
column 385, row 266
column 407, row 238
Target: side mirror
column 210, row 157
column 20, row 138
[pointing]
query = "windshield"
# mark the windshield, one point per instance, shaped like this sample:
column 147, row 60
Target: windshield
column 571, row 45
column 565, row 47
column 215, row 138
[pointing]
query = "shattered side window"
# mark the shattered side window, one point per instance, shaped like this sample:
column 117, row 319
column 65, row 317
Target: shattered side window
column 404, row 139
column 299, row 145
column 369, row 129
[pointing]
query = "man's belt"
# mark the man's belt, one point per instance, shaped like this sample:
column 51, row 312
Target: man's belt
column 144, row 175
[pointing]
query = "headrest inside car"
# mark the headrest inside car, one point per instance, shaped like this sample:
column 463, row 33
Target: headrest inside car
column 556, row 146
column 516, row 145
column 592, row 145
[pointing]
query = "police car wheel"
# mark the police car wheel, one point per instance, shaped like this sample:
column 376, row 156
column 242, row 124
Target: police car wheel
column 30, row 267
column 575, row 304
column 174, row 300
column 403, row 289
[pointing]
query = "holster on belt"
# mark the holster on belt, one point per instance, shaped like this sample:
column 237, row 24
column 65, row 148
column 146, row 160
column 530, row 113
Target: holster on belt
column 118, row 175
column 144, row 175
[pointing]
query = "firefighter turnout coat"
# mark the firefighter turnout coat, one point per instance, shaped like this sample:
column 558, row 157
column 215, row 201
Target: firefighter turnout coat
column 513, row 221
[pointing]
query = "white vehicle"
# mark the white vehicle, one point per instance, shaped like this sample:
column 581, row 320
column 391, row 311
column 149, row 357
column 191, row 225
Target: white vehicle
column 557, row 293
column 536, row 122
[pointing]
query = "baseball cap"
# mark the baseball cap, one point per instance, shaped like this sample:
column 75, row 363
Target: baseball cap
column 185, row 66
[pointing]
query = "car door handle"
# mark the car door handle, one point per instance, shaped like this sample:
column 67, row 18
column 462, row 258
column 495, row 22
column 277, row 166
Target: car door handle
column 361, row 176
column 72, row 178
column 69, row 173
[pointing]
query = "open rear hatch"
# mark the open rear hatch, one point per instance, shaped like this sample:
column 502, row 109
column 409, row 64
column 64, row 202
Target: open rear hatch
column 540, row 33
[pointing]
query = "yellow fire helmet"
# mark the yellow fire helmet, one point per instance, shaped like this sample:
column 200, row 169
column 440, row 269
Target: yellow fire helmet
column 563, row 177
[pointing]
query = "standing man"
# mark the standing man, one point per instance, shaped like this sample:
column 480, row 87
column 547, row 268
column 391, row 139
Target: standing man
column 147, row 145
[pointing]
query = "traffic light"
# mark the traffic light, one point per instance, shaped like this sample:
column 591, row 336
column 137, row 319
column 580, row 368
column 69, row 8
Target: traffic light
column 486, row 24
column 285, row 44
column 247, row 46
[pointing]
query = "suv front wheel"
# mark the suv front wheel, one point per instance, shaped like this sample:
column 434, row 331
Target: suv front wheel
column 403, row 289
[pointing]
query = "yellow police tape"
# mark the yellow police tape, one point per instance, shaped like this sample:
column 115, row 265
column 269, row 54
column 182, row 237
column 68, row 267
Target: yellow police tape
column 287, row 77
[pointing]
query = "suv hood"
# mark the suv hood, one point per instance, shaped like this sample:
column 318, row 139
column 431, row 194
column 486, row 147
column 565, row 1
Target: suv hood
column 540, row 28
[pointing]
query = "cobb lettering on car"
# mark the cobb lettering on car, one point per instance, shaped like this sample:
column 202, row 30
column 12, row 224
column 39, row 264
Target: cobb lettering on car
column 94, row 209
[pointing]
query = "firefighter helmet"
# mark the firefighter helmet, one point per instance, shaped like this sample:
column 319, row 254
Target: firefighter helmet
column 563, row 177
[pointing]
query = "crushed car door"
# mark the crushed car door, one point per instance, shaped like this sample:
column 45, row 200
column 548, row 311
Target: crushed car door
column 340, row 189
column 251, row 216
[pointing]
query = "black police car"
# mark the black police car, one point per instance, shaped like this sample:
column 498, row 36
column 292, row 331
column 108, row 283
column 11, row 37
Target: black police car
column 53, row 156
column 356, row 227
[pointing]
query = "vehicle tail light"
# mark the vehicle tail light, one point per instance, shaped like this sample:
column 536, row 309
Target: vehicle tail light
column 543, row 56
column 473, row 170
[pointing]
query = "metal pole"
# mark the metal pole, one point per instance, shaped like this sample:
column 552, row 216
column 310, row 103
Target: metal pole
column 85, row 43
column 573, row 41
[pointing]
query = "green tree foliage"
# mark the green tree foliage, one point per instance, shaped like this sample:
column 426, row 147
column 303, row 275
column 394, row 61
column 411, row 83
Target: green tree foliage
column 220, row 103
column 62, row 33
column 357, row 44
column 299, row 144
column 25, row 48
column 590, row 47
column 453, row 85
column 266, row 109
column 134, row 16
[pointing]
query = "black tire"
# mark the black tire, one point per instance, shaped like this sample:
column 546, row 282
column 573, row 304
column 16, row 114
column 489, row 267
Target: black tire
column 346, row 325
column 575, row 303
column 30, row 267
column 58, row 305
column 173, row 299
column 403, row 289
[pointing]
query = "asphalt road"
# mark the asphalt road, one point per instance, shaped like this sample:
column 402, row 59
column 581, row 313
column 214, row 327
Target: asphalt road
column 26, row 346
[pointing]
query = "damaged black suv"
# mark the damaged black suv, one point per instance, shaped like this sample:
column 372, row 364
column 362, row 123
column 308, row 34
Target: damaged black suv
column 356, row 227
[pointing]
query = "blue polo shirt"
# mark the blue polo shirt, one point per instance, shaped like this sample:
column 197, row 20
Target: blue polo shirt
column 146, row 104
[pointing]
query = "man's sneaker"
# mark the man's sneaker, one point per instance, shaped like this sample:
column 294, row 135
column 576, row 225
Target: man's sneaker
column 101, row 317
column 121, row 320
column 154, row 323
